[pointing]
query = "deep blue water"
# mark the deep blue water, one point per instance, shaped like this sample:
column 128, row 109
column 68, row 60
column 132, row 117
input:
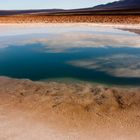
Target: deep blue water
column 42, row 60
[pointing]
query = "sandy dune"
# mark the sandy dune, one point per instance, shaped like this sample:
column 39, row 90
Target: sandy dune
column 65, row 111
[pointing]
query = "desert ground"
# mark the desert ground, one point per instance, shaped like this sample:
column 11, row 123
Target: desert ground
column 66, row 111
column 115, row 19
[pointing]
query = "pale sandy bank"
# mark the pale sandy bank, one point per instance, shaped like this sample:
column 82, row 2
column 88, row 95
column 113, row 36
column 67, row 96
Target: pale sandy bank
column 59, row 111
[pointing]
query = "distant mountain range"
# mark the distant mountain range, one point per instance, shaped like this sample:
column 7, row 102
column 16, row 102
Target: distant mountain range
column 118, row 7
column 122, row 4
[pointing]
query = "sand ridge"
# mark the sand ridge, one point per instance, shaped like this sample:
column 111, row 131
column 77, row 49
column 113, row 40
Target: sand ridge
column 117, row 19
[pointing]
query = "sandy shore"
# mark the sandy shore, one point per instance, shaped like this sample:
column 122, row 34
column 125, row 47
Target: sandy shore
column 115, row 19
column 53, row 111
column 41, row 25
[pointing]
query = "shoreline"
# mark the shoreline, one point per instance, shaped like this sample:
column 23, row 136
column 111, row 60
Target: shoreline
column 78, row 81
column 73, row 81
column 111, row 25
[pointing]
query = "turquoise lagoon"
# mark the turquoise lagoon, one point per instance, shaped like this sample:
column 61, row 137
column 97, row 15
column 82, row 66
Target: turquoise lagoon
column 97, row 54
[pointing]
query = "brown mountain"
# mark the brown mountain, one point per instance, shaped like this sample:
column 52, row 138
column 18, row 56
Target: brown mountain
column 122, row 4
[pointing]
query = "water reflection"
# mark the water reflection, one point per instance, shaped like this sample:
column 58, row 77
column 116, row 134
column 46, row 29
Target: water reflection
column 60, row 42
column 103, row 55
column 117, row 65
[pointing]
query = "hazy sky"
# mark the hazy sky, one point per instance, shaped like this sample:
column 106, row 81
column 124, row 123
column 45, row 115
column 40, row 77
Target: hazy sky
column 48, row 4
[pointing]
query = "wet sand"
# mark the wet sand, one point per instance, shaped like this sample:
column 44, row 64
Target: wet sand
column 50, row 110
